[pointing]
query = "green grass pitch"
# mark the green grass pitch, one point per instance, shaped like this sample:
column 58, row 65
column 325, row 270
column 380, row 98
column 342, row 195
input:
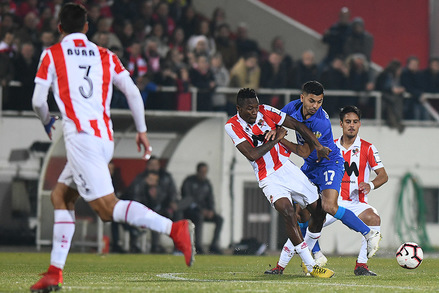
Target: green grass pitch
column 168, row 273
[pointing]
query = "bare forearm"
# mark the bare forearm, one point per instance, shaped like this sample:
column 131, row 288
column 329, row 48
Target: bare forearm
column 301, row 150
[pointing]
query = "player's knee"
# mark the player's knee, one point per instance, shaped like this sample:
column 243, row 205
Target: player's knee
column 329, row 207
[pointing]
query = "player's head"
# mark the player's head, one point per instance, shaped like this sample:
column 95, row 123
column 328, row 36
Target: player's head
column 73, row 19
column 350, row 121
column 311, row 97
column 247, row 104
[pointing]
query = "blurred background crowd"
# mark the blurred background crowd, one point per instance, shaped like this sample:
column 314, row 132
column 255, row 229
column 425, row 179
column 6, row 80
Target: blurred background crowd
column 169, row 44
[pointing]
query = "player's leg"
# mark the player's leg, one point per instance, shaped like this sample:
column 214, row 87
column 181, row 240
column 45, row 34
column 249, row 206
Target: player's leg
column 63, row 199
column 371, row 218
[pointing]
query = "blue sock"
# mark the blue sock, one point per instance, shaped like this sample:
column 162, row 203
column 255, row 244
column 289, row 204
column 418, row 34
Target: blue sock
column 351, row 220
column 316, row 247
column 303, row 227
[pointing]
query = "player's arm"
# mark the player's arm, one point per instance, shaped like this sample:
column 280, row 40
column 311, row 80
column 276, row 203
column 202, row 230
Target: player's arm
column 41, row 108
column 379, row 180
column 322, row 152
column 301, row 150
column 135, row 102
column 254, row 153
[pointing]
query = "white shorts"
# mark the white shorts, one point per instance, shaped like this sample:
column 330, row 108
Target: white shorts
column 290, row 182
column 356, row 207
column 87, row 165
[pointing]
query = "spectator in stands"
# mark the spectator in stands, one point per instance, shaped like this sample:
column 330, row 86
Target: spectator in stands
column 274, row 76
column 336, row 36
column 28, row 32
column 137, row 65
column 103, row 39
column 155, row 188
column 411, row 81
column 226, row 46
column 93, row 16
column 203, row 34
column 189, row 22
column 359, row 40
column 177, row 41
column 176, row 9
column 161, row 16
column 334, row 77
column 123, row 10
column 218, row 18
column 244, row 44
column 7, row 24
column 198, row 204
column 278, row 46
column 160, row 38
column 25, row 68
column 152, row 55
column 26, row 7
column 104, row 25
column 203, row 79
column 146, row 88
column 143, row 22
column 304, row 70
column 7, row 45
column 47, row 39
column 388, row 82
column 6, row 75
column 126, row 35
column 246, row 73
column 222, row 79
column 430, row 76
column 199, row 45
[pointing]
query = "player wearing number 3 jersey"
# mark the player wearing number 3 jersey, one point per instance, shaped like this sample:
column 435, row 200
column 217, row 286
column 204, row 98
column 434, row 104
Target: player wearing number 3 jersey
column 82, row 75
column 327, row 174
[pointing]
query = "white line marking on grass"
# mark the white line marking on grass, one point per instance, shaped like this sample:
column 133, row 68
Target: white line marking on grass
column 178, row 277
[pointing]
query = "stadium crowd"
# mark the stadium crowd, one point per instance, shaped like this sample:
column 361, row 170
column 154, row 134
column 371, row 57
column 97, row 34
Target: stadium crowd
column 168, row 43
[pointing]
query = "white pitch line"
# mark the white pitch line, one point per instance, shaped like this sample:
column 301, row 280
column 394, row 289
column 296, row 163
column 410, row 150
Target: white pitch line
column 176, row 276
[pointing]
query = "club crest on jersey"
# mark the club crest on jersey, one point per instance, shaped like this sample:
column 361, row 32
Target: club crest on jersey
column 318, row 134
column 261, row 122
column 355, row 152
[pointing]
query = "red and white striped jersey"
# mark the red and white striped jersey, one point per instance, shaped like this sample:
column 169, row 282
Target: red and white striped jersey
column 360, row 159
column 267, row 119
column 81, row 75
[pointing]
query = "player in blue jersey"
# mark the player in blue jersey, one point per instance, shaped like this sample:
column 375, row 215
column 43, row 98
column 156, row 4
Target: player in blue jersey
column 326, row 174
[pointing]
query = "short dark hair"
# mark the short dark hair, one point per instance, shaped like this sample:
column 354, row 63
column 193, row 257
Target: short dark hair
column 201, row 165
column 313, row 87
column 349, row 109
column 72, row 18
column 243, row 94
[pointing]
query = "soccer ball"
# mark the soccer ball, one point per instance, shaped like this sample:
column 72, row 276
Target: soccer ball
column 409, row 255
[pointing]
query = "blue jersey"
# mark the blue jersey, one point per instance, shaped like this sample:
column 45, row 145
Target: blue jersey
column 320, row 125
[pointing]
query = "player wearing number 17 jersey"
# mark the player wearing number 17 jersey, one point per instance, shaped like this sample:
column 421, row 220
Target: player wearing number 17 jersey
column 327, row 174
column 82, row 75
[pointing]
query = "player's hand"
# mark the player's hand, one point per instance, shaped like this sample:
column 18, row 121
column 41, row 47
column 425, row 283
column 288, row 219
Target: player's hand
column 49, row 126
column 142, row 140
column 281, row 132
column 364, row 187
column 270, row 135
column 323, row 153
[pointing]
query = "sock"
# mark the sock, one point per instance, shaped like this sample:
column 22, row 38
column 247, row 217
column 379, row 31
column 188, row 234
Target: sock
column 304, row 253
column 286, row 254
column 362, row 256
column 351, row 220
column 63, row 230
column 311, row 238
column 138, row 215
column 316, row 247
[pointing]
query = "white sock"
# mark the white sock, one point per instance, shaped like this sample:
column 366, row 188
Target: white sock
column 311, row 238
column 305, row 254
column 63, row 230
column 138, row 215
column 286, row 254
column 362, row 256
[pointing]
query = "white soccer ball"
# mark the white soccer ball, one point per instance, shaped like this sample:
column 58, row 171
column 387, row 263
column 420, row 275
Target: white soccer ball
column 409, row 255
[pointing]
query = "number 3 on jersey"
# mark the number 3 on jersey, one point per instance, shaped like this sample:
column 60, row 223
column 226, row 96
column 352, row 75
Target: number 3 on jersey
column 329, row 176
column 89, row 81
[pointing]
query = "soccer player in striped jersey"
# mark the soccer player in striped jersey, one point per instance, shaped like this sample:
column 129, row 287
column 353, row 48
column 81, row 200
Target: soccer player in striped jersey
column 82, row 75
column 328, row 174
column 281, row 181
column 361, row 157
